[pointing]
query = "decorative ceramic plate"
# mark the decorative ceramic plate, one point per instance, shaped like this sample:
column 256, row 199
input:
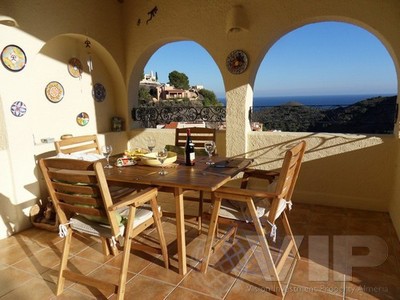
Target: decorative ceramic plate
column 82, row 119
column 13, row 58
column 54, row 91
column 99, row 92
column 18, row 108
column 75, row 67
column 237, row 62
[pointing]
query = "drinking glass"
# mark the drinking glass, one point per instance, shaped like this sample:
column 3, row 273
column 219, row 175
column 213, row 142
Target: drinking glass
column 151, row 143
column 106, row 150
column 162, row 156
column 209, row 146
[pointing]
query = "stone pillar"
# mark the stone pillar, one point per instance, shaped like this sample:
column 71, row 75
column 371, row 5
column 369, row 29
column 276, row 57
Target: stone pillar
column 238, row 102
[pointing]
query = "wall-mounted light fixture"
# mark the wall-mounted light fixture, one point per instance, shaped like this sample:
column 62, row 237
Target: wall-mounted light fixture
column 8, row 21
column 89, row 59
column 236, row 20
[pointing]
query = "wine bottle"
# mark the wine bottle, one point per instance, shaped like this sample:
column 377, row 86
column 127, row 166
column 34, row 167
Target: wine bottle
column 189, row 150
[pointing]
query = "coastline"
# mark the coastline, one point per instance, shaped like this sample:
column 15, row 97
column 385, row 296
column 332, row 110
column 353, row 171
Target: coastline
column 312, row 100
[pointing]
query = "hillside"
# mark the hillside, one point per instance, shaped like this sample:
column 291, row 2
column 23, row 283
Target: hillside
column 374, row 115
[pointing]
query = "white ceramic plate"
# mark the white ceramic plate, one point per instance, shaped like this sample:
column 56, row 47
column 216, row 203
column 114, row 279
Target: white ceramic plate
column 150, row 159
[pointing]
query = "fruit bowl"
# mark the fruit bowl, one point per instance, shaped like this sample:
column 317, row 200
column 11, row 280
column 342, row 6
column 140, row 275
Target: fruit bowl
column 150, row 159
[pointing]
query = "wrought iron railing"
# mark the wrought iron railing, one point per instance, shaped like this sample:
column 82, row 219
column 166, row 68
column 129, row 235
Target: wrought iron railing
column 152, row 115
column 366, row 117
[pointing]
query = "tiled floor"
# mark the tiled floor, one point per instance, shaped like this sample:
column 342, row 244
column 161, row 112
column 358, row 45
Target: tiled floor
column 328, row 238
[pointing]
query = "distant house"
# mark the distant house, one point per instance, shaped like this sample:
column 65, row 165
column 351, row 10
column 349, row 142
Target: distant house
column 164, row 91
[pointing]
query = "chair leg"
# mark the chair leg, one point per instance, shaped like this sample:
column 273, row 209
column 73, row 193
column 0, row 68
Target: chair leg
column 161, row 237
column 200, row 214
column 63, row 264
column 126, row 253
column 211, row 233
column 289, row 232
column 104, row 244
column 266, row 251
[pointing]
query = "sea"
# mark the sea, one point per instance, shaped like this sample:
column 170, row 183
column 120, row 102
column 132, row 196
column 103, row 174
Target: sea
column 325, row 100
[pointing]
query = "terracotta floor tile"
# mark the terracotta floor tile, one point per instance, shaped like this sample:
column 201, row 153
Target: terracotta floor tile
column 141, row 287
column 183, row 293
column 252, row 288
column 315, row 276
column 18, row 251
column 105, row 273
column 296, row 292
column 34, row 289
column 11, row 278
column 69, row 294
column 327, row 239
column 329, row 220
column 159, row 272
column 373, row 281
column 214, row 283
column 39, row 262
column 138, row 261
column 39, row 236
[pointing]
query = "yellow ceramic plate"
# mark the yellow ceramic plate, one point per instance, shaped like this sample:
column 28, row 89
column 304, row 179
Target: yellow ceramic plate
column 137, row 152
column 151, row 159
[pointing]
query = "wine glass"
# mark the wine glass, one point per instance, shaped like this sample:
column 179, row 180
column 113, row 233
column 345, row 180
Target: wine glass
column 162, row 156
column 151, row 143
column 209, row 146
column 106, row 150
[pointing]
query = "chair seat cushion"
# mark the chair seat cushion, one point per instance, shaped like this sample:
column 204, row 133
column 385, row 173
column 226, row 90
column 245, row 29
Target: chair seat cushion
column 237, row 210
column 81, row 156
column 82, row 224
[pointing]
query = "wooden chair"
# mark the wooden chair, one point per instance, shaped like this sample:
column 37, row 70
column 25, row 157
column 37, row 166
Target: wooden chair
column 88, row 144
column 85, row 143
column 199, row 137
column 261, row 208
column 83, row 204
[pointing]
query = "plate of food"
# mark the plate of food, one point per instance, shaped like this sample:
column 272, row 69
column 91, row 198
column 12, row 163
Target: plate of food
column 150, row 159
column 125, row 161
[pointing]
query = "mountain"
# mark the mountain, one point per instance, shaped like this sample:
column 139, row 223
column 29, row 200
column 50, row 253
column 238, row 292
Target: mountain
column 375, row 115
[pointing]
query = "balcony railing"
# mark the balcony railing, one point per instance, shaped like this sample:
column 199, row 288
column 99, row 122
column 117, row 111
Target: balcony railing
column 150, row 116
column 364, row 117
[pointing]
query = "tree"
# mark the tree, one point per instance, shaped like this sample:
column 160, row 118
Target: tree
column 144, row 95
column 210, row 99
column 179, row 80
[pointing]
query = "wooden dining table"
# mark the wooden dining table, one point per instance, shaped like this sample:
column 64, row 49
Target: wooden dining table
column 200, row 177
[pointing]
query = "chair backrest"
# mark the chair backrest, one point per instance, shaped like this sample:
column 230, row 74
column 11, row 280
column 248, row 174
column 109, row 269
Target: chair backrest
column 78, row 186
column 199, row 136
column 288, row 176
column 85, row 143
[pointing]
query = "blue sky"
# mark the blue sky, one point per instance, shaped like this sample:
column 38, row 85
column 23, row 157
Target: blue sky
column 328, row 58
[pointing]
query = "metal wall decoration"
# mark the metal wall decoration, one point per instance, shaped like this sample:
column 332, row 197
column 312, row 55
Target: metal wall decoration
column 18, row 108
column 99, row 92
column 75, row 67
column 179, row 114
column 13, row 58
column 151, row 14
